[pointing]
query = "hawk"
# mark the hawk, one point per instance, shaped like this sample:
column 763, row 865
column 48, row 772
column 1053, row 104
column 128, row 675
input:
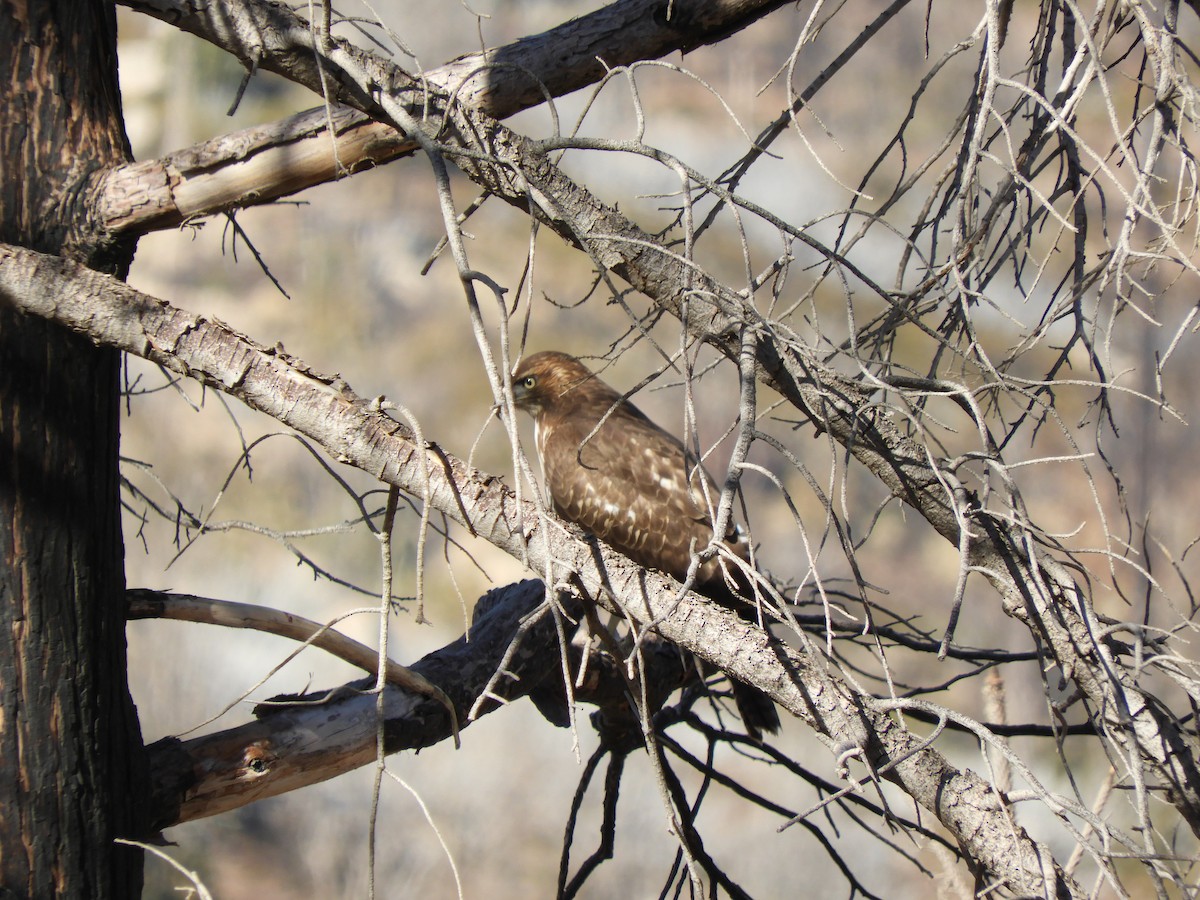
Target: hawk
column 631, row 484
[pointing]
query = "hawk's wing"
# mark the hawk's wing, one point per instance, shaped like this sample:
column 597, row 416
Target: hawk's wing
column 629, row 485
column 635, row 487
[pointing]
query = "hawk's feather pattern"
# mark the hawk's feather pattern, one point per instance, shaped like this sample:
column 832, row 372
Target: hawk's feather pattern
column 613, row 472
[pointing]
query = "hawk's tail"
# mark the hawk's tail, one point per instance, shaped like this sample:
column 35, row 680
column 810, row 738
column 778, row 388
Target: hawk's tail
column 757, row 710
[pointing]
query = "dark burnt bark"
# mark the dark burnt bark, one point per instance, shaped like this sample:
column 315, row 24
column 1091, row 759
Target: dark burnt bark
column 71, row 757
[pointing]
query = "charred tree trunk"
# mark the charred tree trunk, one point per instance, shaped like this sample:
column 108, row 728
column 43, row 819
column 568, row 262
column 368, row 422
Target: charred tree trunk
column 71, row 756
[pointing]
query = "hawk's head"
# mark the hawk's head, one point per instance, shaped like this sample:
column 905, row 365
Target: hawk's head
column 543, row 381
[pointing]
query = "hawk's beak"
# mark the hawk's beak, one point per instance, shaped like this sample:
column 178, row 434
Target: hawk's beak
column 520, row 395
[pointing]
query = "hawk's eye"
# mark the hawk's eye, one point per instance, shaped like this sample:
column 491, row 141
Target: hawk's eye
column 529, row 382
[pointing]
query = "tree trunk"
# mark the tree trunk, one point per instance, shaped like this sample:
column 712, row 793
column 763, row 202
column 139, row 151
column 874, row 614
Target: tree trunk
column 72, row 775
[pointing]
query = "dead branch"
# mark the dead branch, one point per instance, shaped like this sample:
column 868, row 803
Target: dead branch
column 301, row 740
column 263, row 163
column 298, row 741
column 145, row 604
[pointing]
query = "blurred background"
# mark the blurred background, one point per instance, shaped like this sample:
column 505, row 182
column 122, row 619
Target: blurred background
column 350, row 256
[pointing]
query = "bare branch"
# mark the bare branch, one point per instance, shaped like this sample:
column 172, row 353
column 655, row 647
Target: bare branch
column 262, row 164
column 145, row 604
column 298, row 741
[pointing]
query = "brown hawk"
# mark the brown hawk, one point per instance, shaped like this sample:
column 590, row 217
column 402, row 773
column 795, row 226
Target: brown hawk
column 631, row 484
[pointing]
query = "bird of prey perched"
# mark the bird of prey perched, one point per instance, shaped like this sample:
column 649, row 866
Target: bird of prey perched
column 631, row 484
